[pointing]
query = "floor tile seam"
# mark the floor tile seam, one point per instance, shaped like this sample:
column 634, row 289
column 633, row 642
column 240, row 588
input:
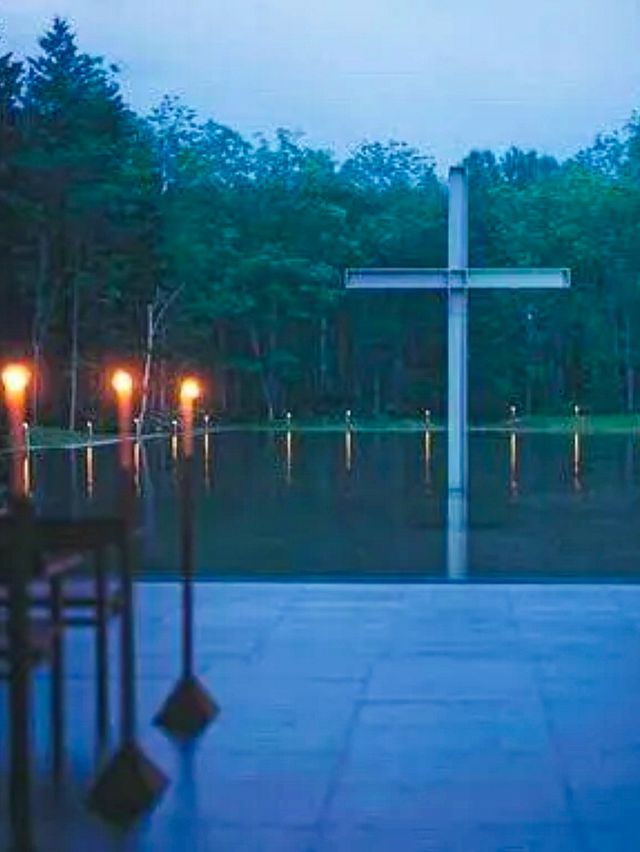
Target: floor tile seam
column 579, row 834
column 342, row 755
column 441, row 702
column 262, row 640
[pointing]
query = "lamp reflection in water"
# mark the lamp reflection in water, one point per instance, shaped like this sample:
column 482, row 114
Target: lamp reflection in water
column 513, row 464
column 348, row 450
column 174, row 440
column 137, row 479
column 89, row 471
column 289, row 455
column 427, row 458
column 27, row 462
column 207, row 460
column 577, row 461
column 27, row 478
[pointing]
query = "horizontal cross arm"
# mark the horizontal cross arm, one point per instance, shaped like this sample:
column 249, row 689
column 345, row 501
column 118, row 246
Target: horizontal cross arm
column 396, row 279
column 481, row 279
column 443, row 279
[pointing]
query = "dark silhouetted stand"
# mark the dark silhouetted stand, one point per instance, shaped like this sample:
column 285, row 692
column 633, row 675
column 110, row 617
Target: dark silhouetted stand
column 189, row 708
column 130, row 783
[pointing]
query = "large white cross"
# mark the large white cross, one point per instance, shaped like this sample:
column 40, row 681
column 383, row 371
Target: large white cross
column 457, row 280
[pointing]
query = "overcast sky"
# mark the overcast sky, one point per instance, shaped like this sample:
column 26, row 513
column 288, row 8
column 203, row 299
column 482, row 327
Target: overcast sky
column 445, row 75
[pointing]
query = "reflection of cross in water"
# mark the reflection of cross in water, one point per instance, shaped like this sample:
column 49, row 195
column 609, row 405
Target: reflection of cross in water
column 513, row 463
column 457, row 280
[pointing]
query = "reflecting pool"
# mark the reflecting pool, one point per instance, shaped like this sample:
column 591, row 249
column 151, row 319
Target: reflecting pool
column 366, row 505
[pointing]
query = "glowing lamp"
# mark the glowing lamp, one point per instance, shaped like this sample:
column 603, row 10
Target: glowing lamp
column 15, row 378
column 189, row 389
column 122, row 383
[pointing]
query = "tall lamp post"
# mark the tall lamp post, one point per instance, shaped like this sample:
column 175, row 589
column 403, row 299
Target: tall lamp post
column 15, row 381
column 189, row 708
column 130, row 783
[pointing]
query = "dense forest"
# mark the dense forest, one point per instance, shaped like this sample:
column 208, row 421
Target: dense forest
column 172, row 243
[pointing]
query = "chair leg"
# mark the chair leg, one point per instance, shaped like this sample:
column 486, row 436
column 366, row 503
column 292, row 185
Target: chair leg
column 102, row 649
column 57, row 679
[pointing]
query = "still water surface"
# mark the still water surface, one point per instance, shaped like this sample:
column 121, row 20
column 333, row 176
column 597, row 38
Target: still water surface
column 372, row 505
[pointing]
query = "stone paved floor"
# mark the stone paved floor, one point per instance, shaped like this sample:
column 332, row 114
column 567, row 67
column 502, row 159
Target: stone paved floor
column 365, row 718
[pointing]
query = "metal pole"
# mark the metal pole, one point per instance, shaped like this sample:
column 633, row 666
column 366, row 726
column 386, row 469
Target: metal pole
column 20, row 813
column 187, row 566
column 457, row 440
column 127, row 629
column 101, row 649
column 189, row 708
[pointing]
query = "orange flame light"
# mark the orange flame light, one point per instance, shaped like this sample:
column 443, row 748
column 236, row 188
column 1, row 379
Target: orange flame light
column 15, row 378
column 122, row 383
column 189, row 392
column 190, row 389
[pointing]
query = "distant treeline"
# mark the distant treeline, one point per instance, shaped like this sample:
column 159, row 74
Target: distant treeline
column 171, row 243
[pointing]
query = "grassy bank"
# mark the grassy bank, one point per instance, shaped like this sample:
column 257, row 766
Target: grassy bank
column 596, row 424
column 43, row 437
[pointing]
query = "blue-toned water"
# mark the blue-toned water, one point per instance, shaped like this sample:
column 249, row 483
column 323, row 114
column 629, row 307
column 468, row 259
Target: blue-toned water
column 372, row 505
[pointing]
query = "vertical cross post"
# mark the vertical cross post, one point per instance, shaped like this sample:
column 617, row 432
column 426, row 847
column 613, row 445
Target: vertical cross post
column 457, row 332
column 457, row 434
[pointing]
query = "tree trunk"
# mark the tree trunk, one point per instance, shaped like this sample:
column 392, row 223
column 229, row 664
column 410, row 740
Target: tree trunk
column 528, row 392
column 38, row 325
column 630, row 377
column 73, row 396
column 162, row 399
column 146, row 372
column 323, row 371
column 264, row 379
column 377, row 392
